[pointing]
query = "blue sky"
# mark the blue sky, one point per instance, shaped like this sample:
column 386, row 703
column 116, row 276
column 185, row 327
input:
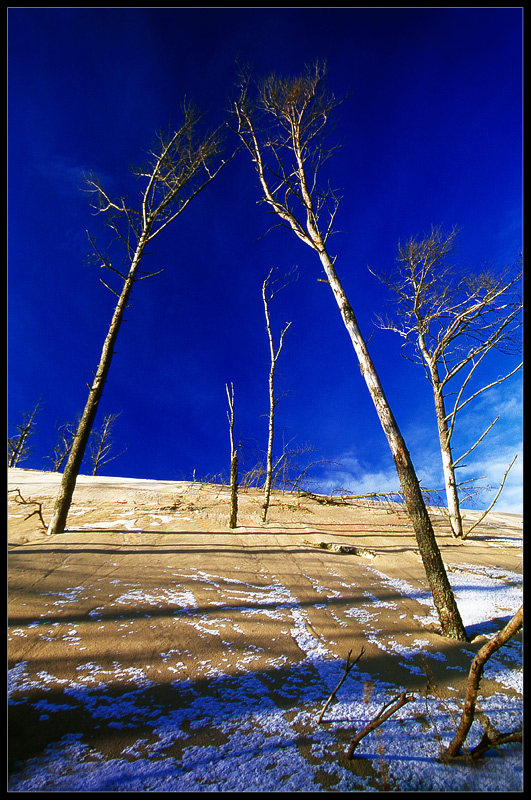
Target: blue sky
column 432, row 135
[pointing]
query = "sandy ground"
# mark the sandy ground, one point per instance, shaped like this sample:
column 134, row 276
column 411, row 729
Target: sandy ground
column 149, row 608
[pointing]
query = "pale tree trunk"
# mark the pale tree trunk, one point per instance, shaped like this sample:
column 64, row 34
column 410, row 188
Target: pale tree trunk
column 68, row 483
column 290, row 104
column 443, row 597
column 272, row 399
column 450, row 486
column 269, row 454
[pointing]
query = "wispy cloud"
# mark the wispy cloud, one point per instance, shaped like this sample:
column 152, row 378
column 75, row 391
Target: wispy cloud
column 355, row 476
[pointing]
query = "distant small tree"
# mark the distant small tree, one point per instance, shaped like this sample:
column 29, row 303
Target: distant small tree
column 180, row 168
column 282, row 125
column 270, row 288
column 101, row 443
column 450, row 320
column 233, row 515
column 63, row 445
column 18, row 447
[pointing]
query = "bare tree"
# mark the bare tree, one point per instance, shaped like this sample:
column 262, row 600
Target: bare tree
column 450, row 320
column 270, row 288
column 233, row 516
column 101, row 443
column 283, row 130
column 63, row 446
column 18, row 446
column 179, row 168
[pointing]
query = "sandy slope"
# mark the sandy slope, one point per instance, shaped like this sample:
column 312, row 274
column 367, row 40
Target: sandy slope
column 149, row 630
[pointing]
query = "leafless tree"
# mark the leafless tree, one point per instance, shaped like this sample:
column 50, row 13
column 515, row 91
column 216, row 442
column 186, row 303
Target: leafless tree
column 450, row 320
column 180, row 167
column 18, row 446
column 283, row 129
column 233, row 515
column 101, row 443
column 270, row 288
column 63, row 446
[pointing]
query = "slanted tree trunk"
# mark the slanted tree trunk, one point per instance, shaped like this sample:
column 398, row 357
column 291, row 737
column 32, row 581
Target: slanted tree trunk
column 68, row 483
column 443, row 596
column 178, row 172
column 300, row 108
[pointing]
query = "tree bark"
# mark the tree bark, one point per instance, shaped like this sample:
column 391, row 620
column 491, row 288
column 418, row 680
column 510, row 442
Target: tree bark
column 443, row 596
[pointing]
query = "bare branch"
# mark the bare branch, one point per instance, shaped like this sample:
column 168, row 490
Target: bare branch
column 457, row 460
column 349, row 666
column 474, row 678
column 385, row 712
column 502, row 484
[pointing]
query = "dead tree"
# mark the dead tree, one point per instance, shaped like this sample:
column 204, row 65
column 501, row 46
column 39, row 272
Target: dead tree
column 63, row 446
column 233, row 515
column 180, row 167
column 450, row 320
column 270, row 288
column 17, row 446
column 283, row 131
column 491, row 737
column 101, row 443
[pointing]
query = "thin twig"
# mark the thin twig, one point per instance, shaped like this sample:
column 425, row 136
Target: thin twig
column 348, row 667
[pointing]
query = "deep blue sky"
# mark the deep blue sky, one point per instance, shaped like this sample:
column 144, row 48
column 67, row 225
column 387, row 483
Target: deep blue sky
column 432, row 134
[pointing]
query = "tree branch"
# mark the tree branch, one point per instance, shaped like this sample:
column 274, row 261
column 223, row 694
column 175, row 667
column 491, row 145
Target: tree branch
column 349, row 666
column 495, row 498
column 474, row 678
column 379, row 719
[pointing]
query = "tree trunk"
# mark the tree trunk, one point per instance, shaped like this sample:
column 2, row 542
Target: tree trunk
column 233, row 518
column 443, row 597
column 73, row 465
column 270, row 437
column 452, row 498
column 450, row 486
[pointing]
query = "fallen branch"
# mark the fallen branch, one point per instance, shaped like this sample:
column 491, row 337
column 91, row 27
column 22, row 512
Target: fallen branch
column 29, row 502
column 348, row 667
column 342, row 548
column 474, row 677
column 381, row 717
column 492, row 738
